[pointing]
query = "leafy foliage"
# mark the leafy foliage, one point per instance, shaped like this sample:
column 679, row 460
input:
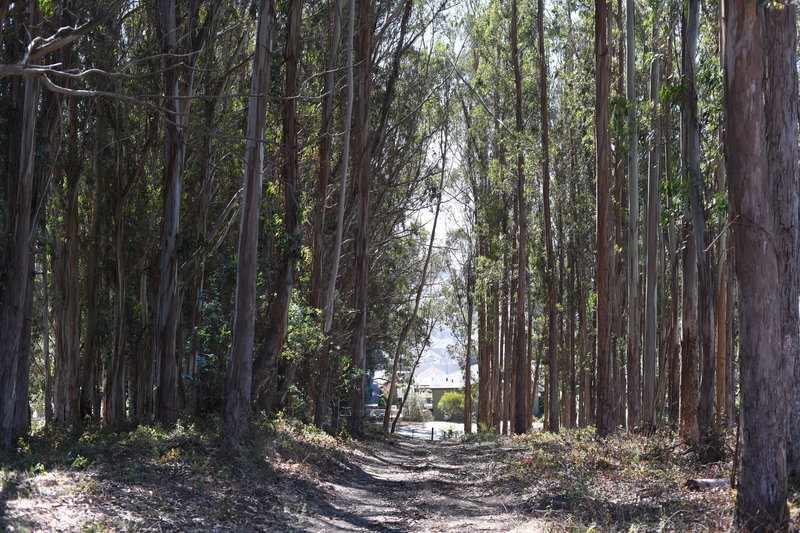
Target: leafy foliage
column 452, row 406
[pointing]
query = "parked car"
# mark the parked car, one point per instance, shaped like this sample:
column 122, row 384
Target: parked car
column 378, row 414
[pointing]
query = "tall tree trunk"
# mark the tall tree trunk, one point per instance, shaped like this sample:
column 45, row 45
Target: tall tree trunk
column 22, row 410
column 561, row 319
column 671, row 261
column 16, row 256
column 619, row 370
column 535, row 383
column 114, row 395
column 468, row 358
column 196, row 290
column 619, row 228
column 89, row 359
column 291, row 172
column 584, row 407
column 689, row 429
column 145, row 368
column 325, row 143
column 497, row 350
column 780, row 38
column 362, row 178
column 721, row 359
column 48, row 382
column 672, row 341
column 236, row 412
column 705, row 283
column 552, row 342
column 529, row 362
column 521, row 366
column 781, row 107
column 731, row 393
column 502, row 390
column 318, row 292
column 723, row 349
column 484, row 354
column 344, row 166
column 265, row 368
column 634, row 326
column 67, row 323
column 507, row 365
column 605, row 400
column 651, row 256
column 167, row 312
column 571, row 415
column 761, row 151
column 51, row 119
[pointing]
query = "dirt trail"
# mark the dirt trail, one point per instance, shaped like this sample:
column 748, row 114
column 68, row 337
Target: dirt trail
column 420, row 486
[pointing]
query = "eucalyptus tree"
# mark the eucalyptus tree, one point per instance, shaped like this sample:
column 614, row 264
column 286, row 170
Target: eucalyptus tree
column 690, row 22
column 66, row 180
column 236, row 413
column 519, row 360
column 18, row 194
column 552, row 347
column 30, row 37
column 180, row 39
column 651, row 254
column 634, row 325
column 761, row 160
column 604, row 405
column 327, row 300
column 362, row 177
column 265, row 367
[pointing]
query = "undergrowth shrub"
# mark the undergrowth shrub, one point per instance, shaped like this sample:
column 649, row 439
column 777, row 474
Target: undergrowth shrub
column 452, row 406
column 414, row 409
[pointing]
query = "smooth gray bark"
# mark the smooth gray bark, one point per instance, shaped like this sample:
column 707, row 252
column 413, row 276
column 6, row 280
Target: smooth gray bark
column 167, row 304
column 236, row 411
column 651, row 257
column 705, row 281
column 342, row 203
column 634, row 325
column 363, row 179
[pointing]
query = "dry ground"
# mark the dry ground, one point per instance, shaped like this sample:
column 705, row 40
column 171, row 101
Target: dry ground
column 415, row 485
column 295, row 478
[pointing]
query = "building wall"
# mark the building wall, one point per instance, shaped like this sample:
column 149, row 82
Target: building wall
column 437, row 395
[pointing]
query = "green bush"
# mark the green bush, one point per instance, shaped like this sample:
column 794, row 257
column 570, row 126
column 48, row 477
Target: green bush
column 452, row 406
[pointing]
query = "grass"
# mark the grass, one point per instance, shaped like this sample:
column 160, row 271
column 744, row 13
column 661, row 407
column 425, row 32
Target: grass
column 628, row 482
column 150, row 478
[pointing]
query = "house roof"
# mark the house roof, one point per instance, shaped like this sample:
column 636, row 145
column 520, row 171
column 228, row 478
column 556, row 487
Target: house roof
column 434, row 378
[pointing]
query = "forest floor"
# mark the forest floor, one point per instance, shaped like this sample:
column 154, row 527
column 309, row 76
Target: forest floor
column 296, row 478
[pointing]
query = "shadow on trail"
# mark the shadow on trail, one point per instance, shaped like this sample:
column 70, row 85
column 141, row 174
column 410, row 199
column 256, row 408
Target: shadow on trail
column 621, row 515
column 10, row 487
column 363, row 509
column 411, row 486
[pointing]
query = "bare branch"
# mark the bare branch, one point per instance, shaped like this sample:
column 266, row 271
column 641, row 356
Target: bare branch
column 66, row 35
